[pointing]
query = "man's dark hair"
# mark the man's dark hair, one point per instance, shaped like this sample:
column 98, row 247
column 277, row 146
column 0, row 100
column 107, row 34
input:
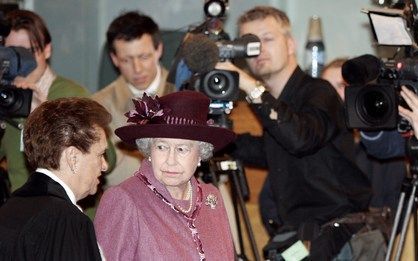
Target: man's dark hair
column 130, row 26
column 34, row 25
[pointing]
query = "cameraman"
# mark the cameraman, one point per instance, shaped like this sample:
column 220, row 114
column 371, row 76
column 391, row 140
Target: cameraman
column 28, row 30
column 390, row 144
column 311, row 180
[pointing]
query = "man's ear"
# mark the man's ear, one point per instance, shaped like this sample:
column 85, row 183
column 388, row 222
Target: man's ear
column 71, row 158
column 114, row 59
column 291, row 45
column 47, row 51
column 159, row 50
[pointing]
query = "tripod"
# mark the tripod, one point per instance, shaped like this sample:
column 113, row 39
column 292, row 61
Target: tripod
column 239, row 192
column 409, row 192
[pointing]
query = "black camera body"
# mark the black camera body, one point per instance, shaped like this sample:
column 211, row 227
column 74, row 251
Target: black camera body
column 14, row 61
column 15, row 102
column 374, row 106
column 208, row 44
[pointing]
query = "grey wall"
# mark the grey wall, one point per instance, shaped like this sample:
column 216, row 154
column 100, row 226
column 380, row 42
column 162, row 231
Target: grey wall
column 78, row 26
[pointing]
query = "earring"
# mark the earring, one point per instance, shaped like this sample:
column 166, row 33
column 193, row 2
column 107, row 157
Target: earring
column 199, row 162
column 73, row 169
column 149, row 158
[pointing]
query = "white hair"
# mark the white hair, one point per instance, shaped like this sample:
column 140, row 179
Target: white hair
column 205, row 148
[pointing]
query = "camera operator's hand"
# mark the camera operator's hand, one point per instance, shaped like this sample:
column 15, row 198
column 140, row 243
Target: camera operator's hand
column 38, row 96
column 246, row 81
column 411, row 115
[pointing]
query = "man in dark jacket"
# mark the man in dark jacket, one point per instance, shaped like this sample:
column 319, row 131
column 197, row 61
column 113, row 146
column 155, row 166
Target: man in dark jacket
column 65, row 141
column 305, row 143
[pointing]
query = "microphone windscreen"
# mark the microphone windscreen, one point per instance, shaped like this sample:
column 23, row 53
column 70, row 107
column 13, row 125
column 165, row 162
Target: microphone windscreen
column 200, row 53
column 362, row 69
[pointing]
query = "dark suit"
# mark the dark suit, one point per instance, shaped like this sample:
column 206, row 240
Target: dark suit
column 39, row 222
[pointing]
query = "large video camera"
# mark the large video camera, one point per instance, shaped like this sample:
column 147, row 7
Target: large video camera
column 14, row 61
column 219, row 85
column 374, row 105
column 208, row 44
column 372, row 98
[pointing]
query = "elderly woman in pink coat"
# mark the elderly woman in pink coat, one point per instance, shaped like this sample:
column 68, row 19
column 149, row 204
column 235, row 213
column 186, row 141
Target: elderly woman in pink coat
column 163, row 212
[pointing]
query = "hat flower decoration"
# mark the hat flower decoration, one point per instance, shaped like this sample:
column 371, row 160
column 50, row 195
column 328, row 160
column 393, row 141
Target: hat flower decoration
column 146, row 109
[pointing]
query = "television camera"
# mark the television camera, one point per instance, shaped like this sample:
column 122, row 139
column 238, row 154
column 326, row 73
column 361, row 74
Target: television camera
column 374, row 105
column 208, row 44
column 372, row 98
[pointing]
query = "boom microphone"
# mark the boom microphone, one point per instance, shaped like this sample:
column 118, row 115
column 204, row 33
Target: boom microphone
column 362, row 69
column 200, row 53
column 248, row 45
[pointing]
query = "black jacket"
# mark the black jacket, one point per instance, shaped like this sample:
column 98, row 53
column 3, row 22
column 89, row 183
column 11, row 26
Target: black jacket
column 306, row 150
column 39, row 222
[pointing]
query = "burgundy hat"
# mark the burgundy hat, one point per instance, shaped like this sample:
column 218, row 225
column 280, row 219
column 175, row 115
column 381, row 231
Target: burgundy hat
column 179, row 115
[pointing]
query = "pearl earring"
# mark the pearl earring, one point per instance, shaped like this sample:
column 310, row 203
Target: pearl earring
column 199, row 164
column 149, row 158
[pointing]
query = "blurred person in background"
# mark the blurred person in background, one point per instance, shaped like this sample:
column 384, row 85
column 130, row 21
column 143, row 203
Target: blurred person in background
column 135, row 47
column 28, row 30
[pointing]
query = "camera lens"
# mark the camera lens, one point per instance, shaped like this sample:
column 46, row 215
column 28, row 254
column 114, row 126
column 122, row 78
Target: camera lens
column 7, row 97
column 219, row 85
column 374, row 106
column 14, row 102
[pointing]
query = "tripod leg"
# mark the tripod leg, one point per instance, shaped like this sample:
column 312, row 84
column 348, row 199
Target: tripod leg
column 395, row 225
column 228, row 201
column 230, row 210
column 241, row 203
column 405, row 222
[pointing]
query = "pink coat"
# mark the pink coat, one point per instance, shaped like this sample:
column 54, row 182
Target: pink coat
column 132, row 223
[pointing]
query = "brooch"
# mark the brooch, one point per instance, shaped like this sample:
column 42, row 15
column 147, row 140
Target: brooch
column 211, row 200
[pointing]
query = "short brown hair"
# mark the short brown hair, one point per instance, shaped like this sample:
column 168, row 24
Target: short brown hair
column 262, row 12
column 61, row 123
column 35, row 26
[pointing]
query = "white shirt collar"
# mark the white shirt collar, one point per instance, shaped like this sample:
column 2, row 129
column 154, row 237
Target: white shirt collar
column 67, row 189
column 152, row 88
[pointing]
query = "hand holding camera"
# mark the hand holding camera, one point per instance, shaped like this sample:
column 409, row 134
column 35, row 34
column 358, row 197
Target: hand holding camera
column 411, row 113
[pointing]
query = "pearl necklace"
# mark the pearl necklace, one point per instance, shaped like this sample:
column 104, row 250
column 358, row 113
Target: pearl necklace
column 190, row 197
